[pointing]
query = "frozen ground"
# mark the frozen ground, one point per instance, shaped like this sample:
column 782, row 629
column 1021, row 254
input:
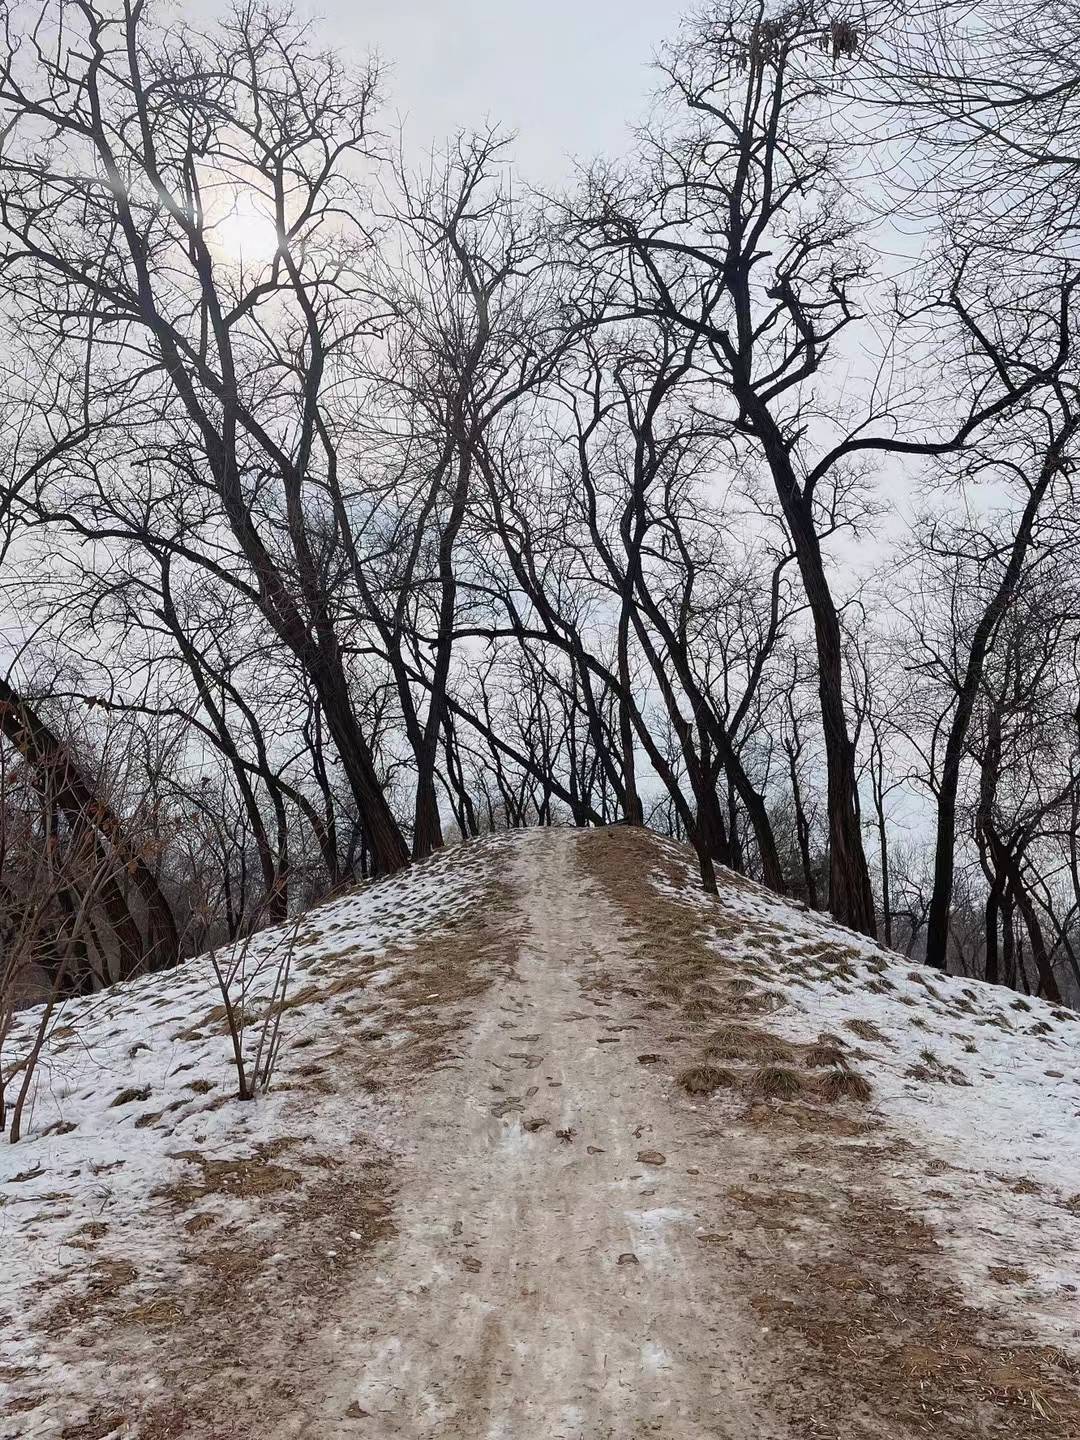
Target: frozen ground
column 135, row 1096
column 557, row 1148
column 984, row 1082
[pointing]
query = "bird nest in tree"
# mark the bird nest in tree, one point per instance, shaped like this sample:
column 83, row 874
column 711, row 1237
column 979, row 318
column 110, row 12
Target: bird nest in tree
column 838, row 38
column 841, row 38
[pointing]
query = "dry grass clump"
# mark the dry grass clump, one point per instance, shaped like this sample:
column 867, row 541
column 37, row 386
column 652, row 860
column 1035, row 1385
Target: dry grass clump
column 705, row 1079
column 842, row 1084
column 105, row 1280
column 131, row 1095
column 761, row 1002
column 820, row 1057
column 1008, row 1274
column 108, row 1277
column 776, row 1082
column 699, row 1007
column 230, row 1264
column 198, row 1223
column 865, row 1029
column 154, row 1314
column 242, row 1179
column 90, row 1232
column 216, row 1020
column 936, row 1073
column 743, row 1042
column 1022, row 1185
column 309, row 994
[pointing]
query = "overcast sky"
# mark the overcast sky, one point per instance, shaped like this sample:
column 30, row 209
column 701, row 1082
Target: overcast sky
column 565, row 74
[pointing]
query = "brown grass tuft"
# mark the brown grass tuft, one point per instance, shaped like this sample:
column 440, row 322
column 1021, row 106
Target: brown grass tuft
column 865, row 1029
column 743, row 1042
column 762, row 1002
column 824, row 1056
column 777, row 1082
column 705, row 1079
column 131, row 1095
column 845, row 1085
column 700, row 1007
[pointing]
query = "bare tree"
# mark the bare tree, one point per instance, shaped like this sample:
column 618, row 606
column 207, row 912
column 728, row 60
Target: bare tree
column 740, row 227
column 196, row 379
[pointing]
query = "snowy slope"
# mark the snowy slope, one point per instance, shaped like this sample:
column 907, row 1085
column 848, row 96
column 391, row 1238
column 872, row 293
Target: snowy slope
column 984, row 1081
column 143, row 1190
column 133, row 1106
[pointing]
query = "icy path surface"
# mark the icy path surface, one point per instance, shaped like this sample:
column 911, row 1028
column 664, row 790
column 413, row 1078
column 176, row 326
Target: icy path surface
column 547, row 1285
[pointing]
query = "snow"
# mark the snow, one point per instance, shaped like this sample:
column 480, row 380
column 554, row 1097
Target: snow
column 983, row 1083
column 980, row 1086
column 86, row 1159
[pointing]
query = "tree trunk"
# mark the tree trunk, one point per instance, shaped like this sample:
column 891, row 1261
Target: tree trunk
column 851, row 899
column 937, row 931
column 381, row 831
column 59, row 778
column 993, row 907
column 633, row 812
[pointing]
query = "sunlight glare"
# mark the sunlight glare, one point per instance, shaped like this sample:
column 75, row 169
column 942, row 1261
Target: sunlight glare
column 246, row 235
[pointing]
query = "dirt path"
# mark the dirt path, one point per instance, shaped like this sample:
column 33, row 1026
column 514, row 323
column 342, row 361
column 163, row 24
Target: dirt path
column 547, row 1170
column 548, row 1280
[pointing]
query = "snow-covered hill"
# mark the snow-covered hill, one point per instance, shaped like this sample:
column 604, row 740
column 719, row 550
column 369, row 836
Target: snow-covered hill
column 137, row 1156
column 555, row 1146
column 983, row 1085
